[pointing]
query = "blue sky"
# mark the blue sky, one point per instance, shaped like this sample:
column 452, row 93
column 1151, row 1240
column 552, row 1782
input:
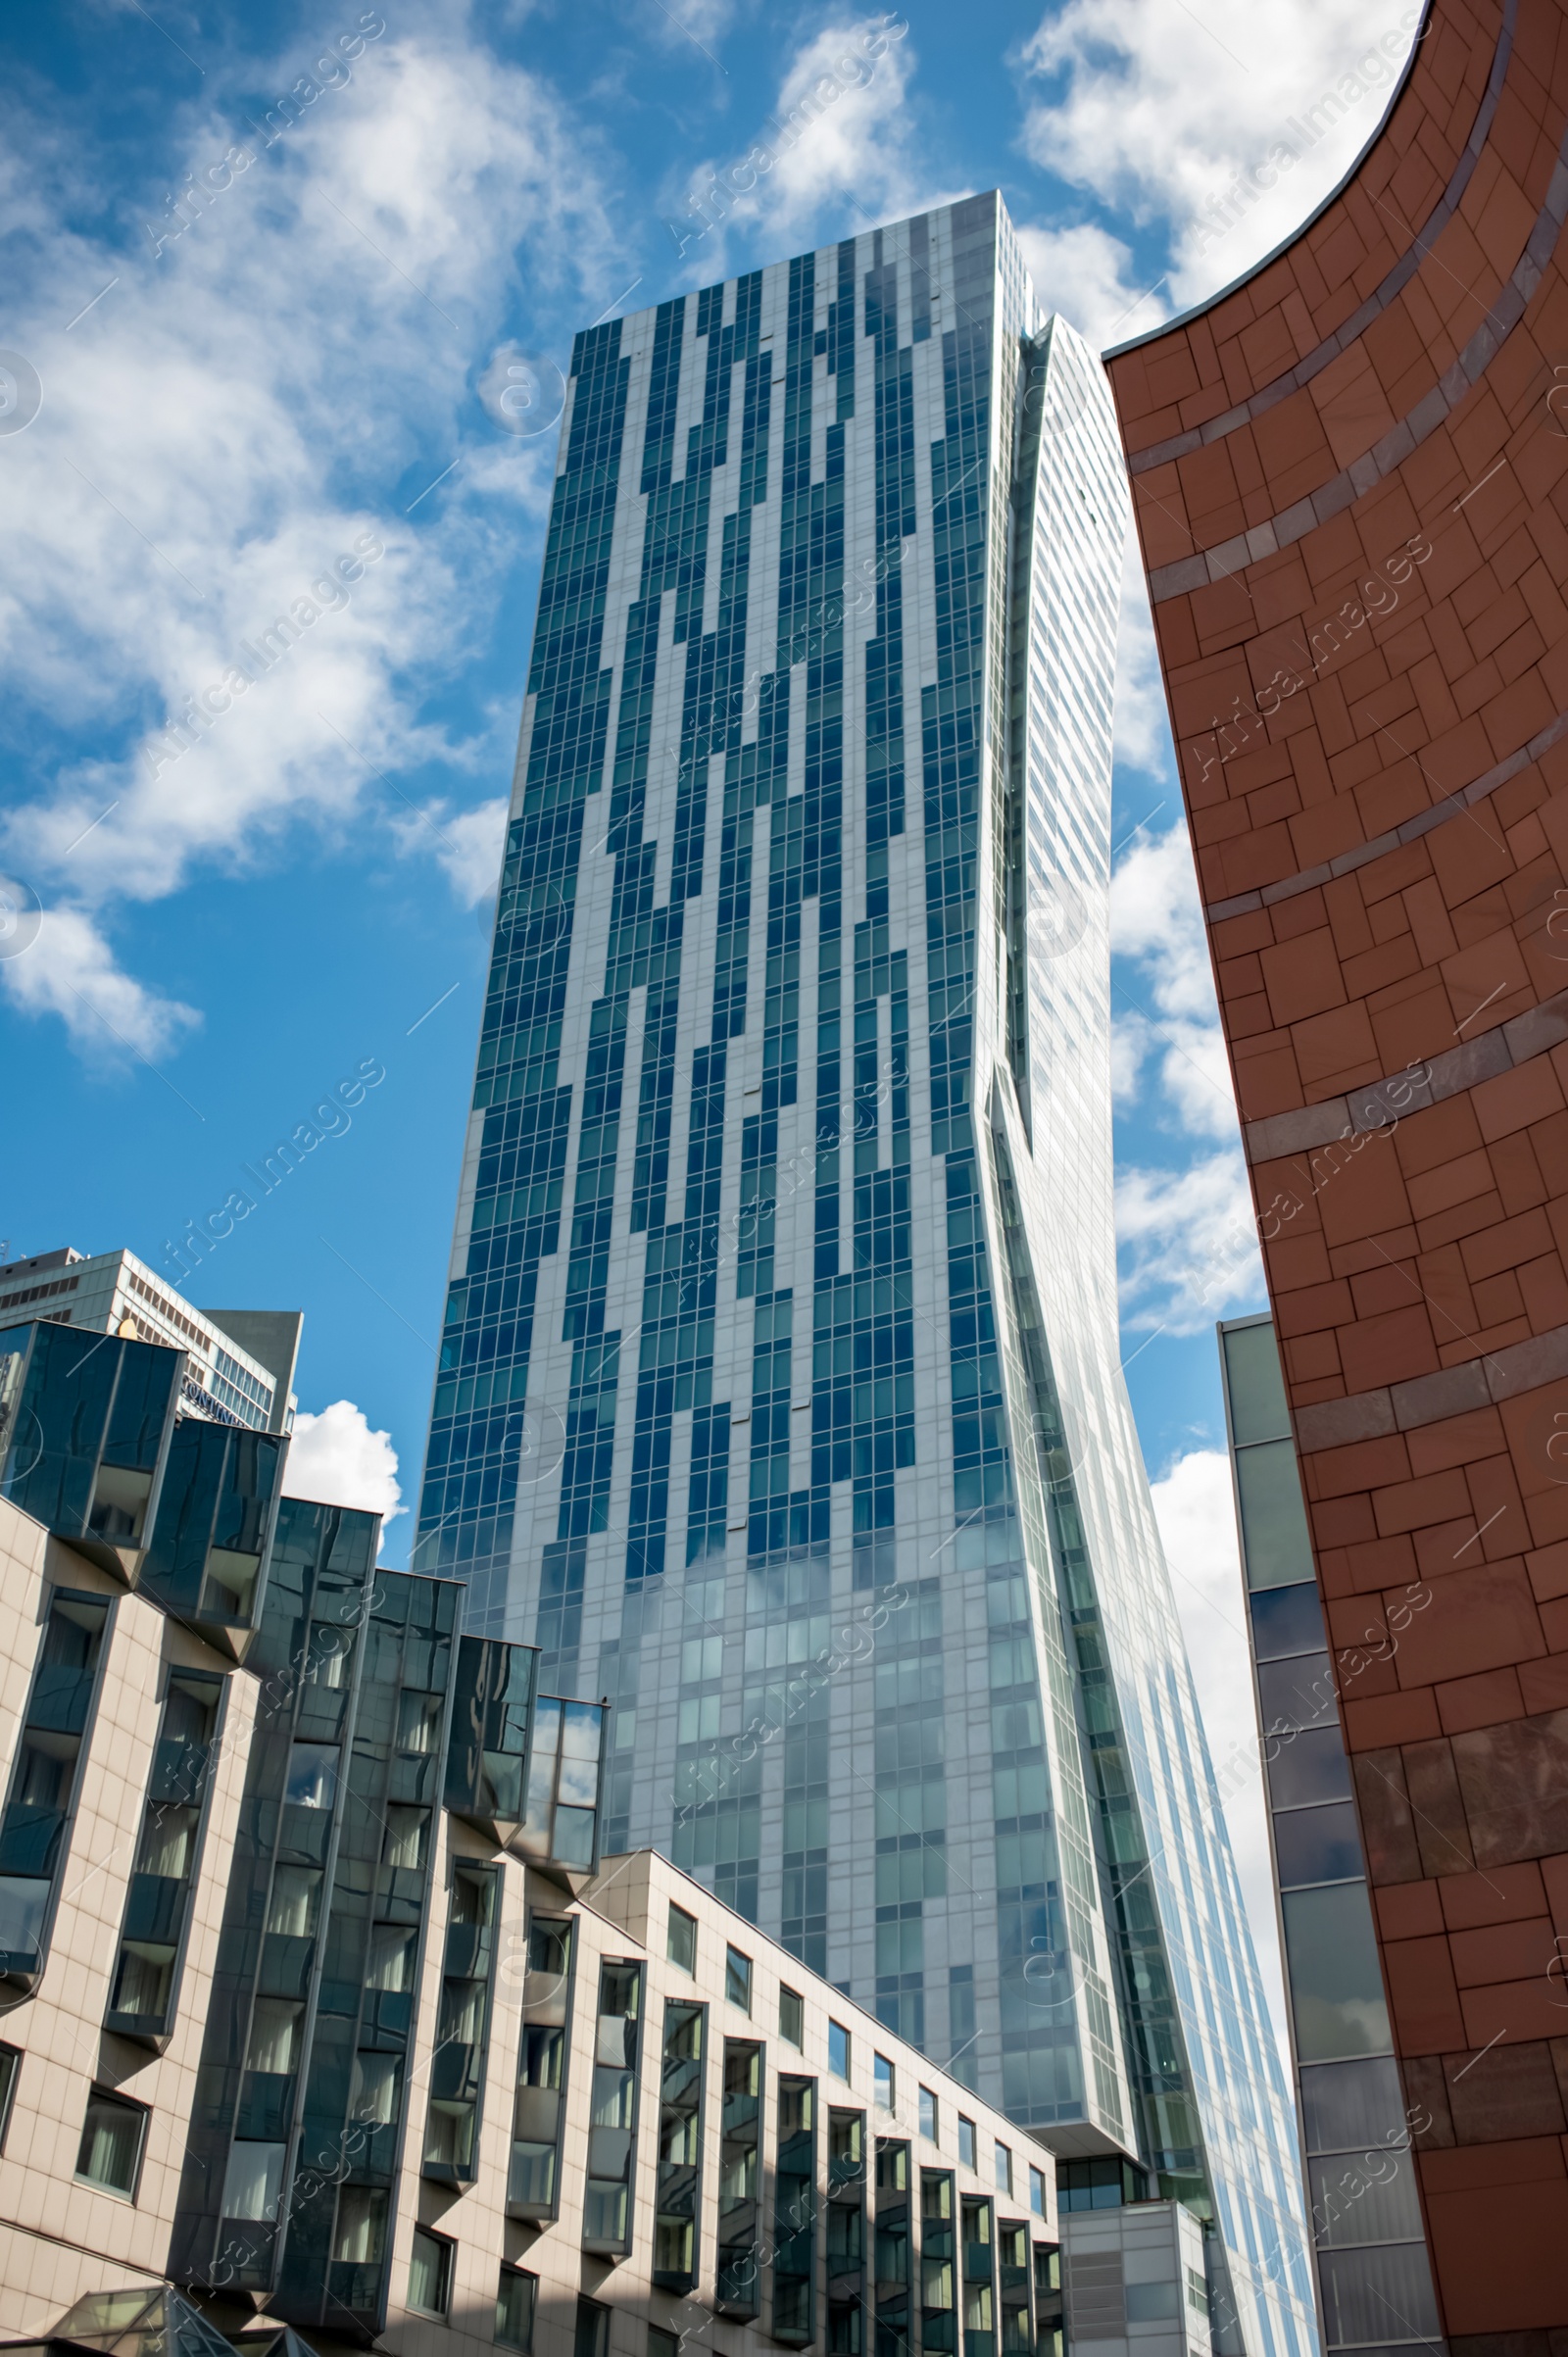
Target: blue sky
column 304, row 367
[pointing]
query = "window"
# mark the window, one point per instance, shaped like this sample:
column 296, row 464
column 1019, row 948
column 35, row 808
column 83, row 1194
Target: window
column 1037, row 2192
column 738, row 1979
column 296, row 1901
column 882, row 2070
column 592, row 2336
column 791, row 2017
column 361, row 2236
column 253, row 2181
column 966, row 2146
column 838, row 2050
column 928, row 2115
column 514, row 2306
column 661, row 2344
column 680, row 1946
column 311, row 1776
column 10, row 2057
column 1003, row 2169
column 430, row 2273
column 111, row 2143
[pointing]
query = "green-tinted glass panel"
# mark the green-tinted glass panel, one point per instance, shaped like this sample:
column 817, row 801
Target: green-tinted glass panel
column 1336, row 1988
column 1274, row 1534
column 1256, row 1386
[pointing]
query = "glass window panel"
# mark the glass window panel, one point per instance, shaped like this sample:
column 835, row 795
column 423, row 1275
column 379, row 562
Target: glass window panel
column 1350, row 2106
column 144, row 1979
column 681, row 1944
column 1295, row 1694
column 1361, row 2287
column 1003, row 2168
column 1255, row 1385
column 276, row 2033
column 377, row 2085
column 738, row 1979
column 515, row 2309
column 1287, row 1620
column 111, row 2143
column 254, row 2181
column 838, row 2050
column 360, row 2237
column 167, row 1842
column 967, row 2142
column 883, row 2076
column 311, row 1776
column 1308, row 1767
column 1367, row 2196
column 928, row 2115
column 1274, row 1533
column 1318, row 1846
column 791, row 2017
column 407, row 1834
column 296, row 1901
column 1336, row 1988
column 430, row 2273
column 391, row 1960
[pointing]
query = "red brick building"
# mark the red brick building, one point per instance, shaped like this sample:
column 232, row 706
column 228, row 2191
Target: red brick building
column 1350, row 474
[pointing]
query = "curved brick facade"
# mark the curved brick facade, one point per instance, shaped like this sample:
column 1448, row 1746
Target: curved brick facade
column 1352, row 482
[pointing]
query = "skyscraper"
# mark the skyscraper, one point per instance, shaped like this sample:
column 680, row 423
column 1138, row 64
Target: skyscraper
column 781, row 1398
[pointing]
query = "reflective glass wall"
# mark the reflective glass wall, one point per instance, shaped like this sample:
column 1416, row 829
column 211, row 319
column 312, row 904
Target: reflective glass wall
column 1373, row 2274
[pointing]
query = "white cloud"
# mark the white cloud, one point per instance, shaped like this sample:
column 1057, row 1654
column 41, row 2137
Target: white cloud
column 1196, row 1516
column 339, row 1462
column 1159, row 110
column 68, row 970
column 1188, row 1245
column 221, row 430
column 842, row 126
column 467, row 844
column 1085, row 274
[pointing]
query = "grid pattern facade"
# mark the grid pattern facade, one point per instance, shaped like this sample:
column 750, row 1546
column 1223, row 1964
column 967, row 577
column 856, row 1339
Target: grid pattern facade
column 802, row 1435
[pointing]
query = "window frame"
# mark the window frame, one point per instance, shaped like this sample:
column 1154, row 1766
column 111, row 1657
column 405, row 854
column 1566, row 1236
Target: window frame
column 794, row 2037
column 836, row 2032
column 522, row 2275
column 734, row 1957
column 159, row 2040
column 969, row 2145
column 680, row 1915
column 884, row 2074
column 1003, row 2165
column 448, row 2249
column 97, row 2092
column 8, row 2091
column 930, row 2110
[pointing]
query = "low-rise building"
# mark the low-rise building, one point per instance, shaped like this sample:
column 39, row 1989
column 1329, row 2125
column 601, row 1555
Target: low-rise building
column 320, row 2013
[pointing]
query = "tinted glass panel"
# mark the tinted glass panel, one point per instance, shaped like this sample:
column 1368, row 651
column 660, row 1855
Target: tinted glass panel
column 1287, row 1620
column 1297, row 1693
column 1352, row 2105
column 1310, row 1767
column 1274, row 1532
column 1367, row 2196
column 1333, row 1964
column 1317, row 1845
column 1255, row 1385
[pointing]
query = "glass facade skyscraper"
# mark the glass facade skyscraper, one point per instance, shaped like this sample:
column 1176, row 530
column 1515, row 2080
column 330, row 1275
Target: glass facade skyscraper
column 780, row 1399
